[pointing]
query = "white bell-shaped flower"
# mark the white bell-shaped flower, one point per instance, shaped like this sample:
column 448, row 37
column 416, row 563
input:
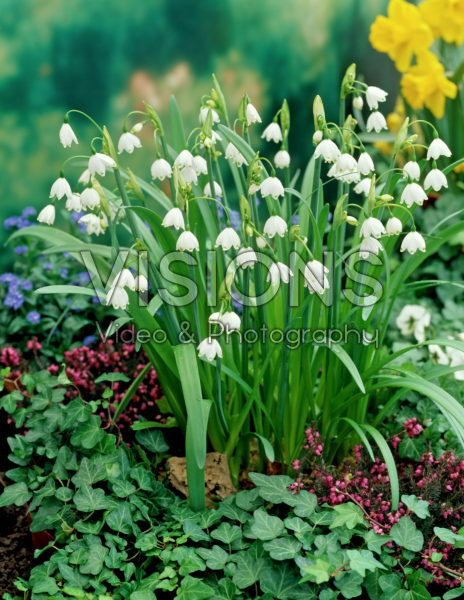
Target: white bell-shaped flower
column 328, row 149
column 438, row 355
column 372, row 227
column 189, row 175
column 246, row 258
column 85, row 177
column 160, row 169
column 174, row 218
column 227, row 239
column 60, row 188
column 315, row 277
column 67, row 135
column 272, row 133
column 345, row 169
column 261, row 242
column 141, row 283
column 438, row 148
column 124, row 279
column 272, row 186
column 279, row 272
column 275, row 225
column 231, row 321
column 99, row 163
column 282, row 159
column 413, row 194
column 184, row 159
column 200, row 165
column 217, row 190
column 214, row 318
column 128, row 142
column 358, row 102
column 436, row 180
column 187, row 241
column 74, row 203
column 411, row 170
column 364, row 186
column 95, row 224
column 394, row 226
column 235, row 156
column 204, row 110
column 90, row 198
column 47, row 215
column 117, row 297
column 209, row 348
column 374, row 95
column 369, row 245
column 252, row 115
column 376, row 122
column 412, row 242
column 365, row 164
column 413, row 319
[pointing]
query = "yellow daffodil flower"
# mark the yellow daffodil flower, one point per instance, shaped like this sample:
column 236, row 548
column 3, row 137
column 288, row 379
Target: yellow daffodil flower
column 445, row 18
column 402, row 34
column 425, row 84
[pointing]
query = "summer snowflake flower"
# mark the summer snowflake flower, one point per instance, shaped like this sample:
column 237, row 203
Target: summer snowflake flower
column 74, row 203
column 438, row 355
column 436, row 180
column 413, row 193
column 272, row 133
column 85, row 177
column 94, row 224
column 364, row 186
column 394, row 226
column 372, row 227
column 99, row 162
column 374, row 95
column 358, row 102
column 209, row 348
column 328, row 150
column 204, row 110
column 174, row 218
column 412, row 242
column 214, row 318
column 411, row 170
column 124, row 279
column 184, row 159
column 141, row 283
column 209, row 142
column 231, row 321
column 90, row 198
column 345, row 169
column 369, row 246
column 438, row 148
column 272, row 186
column 279, row 272
column 235, row 156
column 282, row 159
column 315, row 277
column 161, row 169
column 252, row 115
column 187, row 241
column 401, row 34
column 456, row 359
column 413, row 319
column 275, row 225
column 261, row 242
column 67, row 135
column 189, row 175
column 200, row 165
column 246, row 257
column 365, row 164
column 117, row 297
column 217, row 190
column 227, row 239
column 127, row 142
column 60, row 188
column 376, row 122
column 47, row 215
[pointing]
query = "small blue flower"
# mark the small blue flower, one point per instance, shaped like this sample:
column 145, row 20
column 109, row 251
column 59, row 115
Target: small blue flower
column 21, row 250
column 14, row 299
column 89, row 340
column 75, row 216
column 26, row 285
column 8, row 278
column 11, row 222
column 48, row 266
column 64, row 273
column 22, row 223
column 33, row 317
column 29, row 211
column 67, row 254
column 295, row 219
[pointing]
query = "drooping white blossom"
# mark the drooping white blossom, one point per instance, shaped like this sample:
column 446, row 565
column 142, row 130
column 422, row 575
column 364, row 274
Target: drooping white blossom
column 235, row 156
column 189, row 175
column 184, row 159
column 95, row 224
column 60, row 188
column 124, row 279
column 141, row 283
column 128, row 142
column 47, row 215
column 252, row 115
column 374, row 95
column 200, row 165
column 74, row 203
column 272, row 133
column 272, row 186
column 411, row 170
column 358, row 102
column 369, row 246
column 204, row 110
column 413, row 319
column 117, row 297
column 345, row 169
column 376, row 122
column 365, row 164
column 315, row 277
column 364, row 186
column 160, row 169
column 412, row 242
column 209, row 348
column 227, row 239
column 413, row 193
column 187, row 241
column 246, row 258
column 90, row 198
column 217, row 190
column 279, row 272
column 328, row 149
column 436, row 180
column 372, row 227
column 438, row 148
column 99, row 163
column 174, row 218
column 231, row 321
column 275, row 225
column 85, row 177
column 67, row 135
column 282, row 159
column 394, row 226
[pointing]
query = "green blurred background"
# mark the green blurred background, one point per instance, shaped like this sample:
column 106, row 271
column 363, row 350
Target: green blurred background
column 107, row 56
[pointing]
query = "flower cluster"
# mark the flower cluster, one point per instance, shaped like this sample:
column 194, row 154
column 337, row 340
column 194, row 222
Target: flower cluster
column 409, row 31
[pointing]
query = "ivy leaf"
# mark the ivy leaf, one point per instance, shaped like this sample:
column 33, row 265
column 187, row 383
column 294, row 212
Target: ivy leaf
column 64, row 494
column 226, row 590
column 88, row 499
column 318, row 572
column 89, row 472
column 216, row 558
column 362, row 560
column 142, row 595
column 95, row 560
column 76, row 412
column 120, row 519
column 419, row 507
column 449, row 537
column 281, row 582
column 264, row 526
column 226, row 533
column 305, row 504
column 248, row 569
column 192, row 588
column 347, row 515
column 405, row 534
column 123, row 488
column 273, row 488
column 45, row 585
column 72, row 576
column 283, row 548
column 375, row 542
column 349, row 584
column 88, row 434
column 17, row 494
column 152, row 440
